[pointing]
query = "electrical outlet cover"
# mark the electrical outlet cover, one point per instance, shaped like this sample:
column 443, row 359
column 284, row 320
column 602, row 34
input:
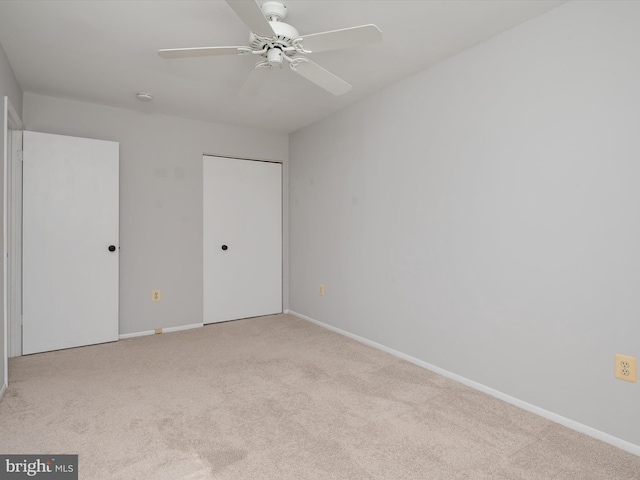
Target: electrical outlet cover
column 625, row 368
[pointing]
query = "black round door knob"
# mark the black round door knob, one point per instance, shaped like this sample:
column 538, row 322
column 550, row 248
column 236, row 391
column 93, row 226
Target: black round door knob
column 224, row 247
column 112, row 248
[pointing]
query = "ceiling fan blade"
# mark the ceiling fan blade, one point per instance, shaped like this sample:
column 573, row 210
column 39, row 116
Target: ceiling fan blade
column 251, row 14
column 255, row 81
column 344, row 38
column 198, row 52
column 323, row 78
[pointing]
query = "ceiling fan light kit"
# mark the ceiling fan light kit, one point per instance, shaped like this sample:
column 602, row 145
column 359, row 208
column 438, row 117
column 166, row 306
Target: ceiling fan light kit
column 278, row 42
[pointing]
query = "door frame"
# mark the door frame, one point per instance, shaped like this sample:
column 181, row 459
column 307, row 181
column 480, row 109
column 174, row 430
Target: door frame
column 11, row 215
column 14, row 245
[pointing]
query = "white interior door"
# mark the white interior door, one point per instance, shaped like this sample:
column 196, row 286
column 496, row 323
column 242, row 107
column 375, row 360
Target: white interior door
column 242, row 238
column 70, row 242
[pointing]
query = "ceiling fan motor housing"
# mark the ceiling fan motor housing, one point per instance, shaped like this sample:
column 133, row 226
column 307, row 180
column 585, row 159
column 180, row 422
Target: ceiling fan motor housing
column 284, row 35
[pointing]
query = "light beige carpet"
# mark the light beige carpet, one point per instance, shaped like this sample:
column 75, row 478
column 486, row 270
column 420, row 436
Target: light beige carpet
column 278, row 398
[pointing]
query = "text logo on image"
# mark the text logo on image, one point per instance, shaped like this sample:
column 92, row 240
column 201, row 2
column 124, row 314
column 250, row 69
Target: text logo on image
column 50, row 467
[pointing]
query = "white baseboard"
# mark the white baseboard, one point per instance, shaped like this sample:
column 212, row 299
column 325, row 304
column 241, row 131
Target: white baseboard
column 136, row 334
column 554, row 417
column 2, row 390
column 182, row 327
column 164, row 330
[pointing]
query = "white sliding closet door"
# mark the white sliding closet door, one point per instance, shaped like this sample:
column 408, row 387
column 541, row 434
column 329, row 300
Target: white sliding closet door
column 70, row 242
column 242, row 238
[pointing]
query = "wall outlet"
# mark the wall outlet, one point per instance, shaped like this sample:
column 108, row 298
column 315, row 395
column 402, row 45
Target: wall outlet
column 158, row 330
column 625, row 368
column 155, row 295
column 321, row 289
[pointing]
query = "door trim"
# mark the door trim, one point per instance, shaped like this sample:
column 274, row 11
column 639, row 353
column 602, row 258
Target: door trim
column 11, row 122
column 14, row 229
column 235, row 157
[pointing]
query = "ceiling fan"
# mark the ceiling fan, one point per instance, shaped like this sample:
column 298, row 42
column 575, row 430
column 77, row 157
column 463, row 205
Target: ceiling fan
column 279, row 43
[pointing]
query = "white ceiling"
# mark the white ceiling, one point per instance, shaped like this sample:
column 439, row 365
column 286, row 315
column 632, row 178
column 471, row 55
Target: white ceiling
column 104, row 51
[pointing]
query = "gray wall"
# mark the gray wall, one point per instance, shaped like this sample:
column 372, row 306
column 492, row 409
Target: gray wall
column 483, row 215
column 8, row 84
column 8, row 87
column 160, row 198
